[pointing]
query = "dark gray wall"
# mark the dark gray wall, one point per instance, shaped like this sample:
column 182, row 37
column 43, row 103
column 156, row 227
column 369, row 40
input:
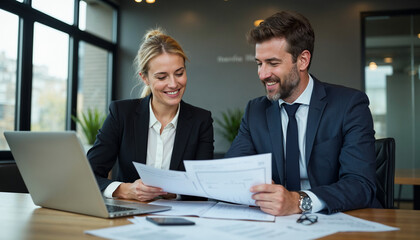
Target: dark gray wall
column 208, row 30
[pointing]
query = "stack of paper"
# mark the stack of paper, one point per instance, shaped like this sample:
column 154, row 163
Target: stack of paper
column 283, row 228
column 211, row 209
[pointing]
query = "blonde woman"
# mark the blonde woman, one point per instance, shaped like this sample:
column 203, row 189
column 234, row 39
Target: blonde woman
column 159, row 129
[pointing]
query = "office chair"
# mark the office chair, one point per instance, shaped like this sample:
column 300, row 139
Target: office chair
column 10, row 178
column 385, row 171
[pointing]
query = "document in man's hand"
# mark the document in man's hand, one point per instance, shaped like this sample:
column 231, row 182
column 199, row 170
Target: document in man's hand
column 224, row 179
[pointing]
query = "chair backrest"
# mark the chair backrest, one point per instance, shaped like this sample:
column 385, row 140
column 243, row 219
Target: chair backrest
column 385, row 171
column 10, row 178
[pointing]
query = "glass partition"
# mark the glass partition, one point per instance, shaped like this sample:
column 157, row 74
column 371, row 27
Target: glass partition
column 392, row 82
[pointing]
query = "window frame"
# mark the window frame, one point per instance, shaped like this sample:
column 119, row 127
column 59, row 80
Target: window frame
column 27, row 17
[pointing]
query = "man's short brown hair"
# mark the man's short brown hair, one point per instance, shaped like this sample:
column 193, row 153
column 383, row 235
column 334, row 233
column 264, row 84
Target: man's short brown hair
column 292, row 26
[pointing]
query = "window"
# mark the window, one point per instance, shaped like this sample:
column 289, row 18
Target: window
column 62, row 10
column 49, row 79
column 8, row 61
column 94, row 76
column 97, row 18
column 52, row 66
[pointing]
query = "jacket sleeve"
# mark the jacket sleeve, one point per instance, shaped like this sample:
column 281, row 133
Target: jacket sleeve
column 355, row 187
column 205, row 147
column 103, row 155
column 242, row 145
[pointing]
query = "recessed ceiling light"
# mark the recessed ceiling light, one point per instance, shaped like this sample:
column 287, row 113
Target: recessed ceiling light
column 257, row 22
column 138, row 0
column 150, row 1
column 373, row 66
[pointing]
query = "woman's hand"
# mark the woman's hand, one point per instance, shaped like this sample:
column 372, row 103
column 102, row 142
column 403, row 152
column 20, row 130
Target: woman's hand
column 138, row 191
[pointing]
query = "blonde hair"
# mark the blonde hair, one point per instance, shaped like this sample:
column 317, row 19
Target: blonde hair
column 155, row 43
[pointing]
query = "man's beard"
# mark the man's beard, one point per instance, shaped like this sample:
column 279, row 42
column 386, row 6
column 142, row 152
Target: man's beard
column 291, row 81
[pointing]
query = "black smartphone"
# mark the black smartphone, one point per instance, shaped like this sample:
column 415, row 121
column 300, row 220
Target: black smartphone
column 169, row 221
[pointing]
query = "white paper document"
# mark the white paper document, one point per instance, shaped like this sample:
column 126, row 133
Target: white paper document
column 211, row 209
column 206, row 229
column 184, row 208
column 339, row 222
column 284, row 228
column 226, row 179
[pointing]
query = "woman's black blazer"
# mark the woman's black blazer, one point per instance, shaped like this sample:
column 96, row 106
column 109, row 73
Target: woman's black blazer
column 124, row 134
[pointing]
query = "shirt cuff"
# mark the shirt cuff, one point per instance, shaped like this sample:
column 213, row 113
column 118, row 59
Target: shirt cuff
column 317, row 203
column 111, row 189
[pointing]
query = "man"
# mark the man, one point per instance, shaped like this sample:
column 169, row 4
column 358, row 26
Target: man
column 320, row 135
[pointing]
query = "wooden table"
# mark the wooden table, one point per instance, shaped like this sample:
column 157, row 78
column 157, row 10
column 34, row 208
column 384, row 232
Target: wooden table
column 21, row 219
column 410, row 177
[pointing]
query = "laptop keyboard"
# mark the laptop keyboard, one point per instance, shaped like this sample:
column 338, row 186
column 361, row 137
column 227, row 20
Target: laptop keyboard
column 114, row 208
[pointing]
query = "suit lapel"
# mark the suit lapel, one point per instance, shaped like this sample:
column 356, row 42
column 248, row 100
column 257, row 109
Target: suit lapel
column 276, row 137
column 316, row 109
column 182, row 134
column 141, row 129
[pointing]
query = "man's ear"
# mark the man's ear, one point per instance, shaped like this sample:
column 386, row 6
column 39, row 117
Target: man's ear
column 303, row 60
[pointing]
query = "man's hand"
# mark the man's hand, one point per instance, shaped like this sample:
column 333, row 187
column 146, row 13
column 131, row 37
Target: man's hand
column 275, row 199
column 137, row 191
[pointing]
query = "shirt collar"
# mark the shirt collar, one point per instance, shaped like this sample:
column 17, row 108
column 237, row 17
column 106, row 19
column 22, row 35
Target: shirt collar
column 305, row 97
column 153, row 120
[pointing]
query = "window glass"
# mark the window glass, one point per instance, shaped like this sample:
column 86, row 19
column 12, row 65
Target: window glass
column 49, row 87
column 93, row 80
column 9, row 23
column 96, row 17
column 60, row 9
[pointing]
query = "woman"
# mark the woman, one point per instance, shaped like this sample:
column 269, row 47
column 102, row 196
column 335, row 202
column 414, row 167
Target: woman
column 159, row 129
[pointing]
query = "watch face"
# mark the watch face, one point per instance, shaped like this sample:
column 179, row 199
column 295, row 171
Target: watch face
column 306, row 204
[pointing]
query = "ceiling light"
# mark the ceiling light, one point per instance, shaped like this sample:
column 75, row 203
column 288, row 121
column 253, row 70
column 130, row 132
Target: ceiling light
column 257, row 22
column 388, row 60
column 373, row 66
column 138, row 1
column 150, row 1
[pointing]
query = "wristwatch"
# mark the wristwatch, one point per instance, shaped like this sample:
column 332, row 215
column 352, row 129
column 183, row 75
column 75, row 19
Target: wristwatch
column 305, row 202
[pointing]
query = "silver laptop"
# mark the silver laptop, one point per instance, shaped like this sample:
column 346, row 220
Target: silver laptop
column 58, row 175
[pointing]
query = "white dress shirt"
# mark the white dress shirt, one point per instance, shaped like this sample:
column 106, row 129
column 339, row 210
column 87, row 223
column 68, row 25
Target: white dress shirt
column 302, row 118
column 159, row 146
